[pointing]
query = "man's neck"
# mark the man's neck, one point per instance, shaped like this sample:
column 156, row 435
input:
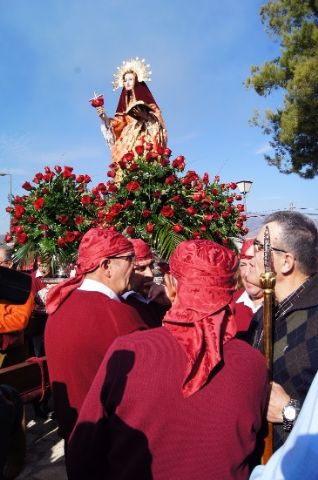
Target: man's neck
column 289, row 285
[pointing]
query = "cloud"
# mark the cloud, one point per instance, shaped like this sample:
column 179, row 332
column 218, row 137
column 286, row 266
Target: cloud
column 263, row 149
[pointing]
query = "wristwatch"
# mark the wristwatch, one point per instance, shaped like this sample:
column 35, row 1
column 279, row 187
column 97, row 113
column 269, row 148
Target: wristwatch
column 290, row 412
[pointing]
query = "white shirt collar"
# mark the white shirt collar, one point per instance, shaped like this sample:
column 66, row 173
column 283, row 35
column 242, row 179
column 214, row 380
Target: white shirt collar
column 90, row 285
column 248, row 302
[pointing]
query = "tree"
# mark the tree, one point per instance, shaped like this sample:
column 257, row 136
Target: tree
column 294, row 126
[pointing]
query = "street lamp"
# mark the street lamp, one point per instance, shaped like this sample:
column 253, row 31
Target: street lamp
column 244, row 187
column 3, row 174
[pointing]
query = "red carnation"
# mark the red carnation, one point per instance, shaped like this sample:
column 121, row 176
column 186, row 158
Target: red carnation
column 170, row 180
column 63, row 219
column 167, row 211
column 146, row 213
column 139, row 149
column 150, row 227
column 133, row 185
column 130, row 231
column 22, row 238
column 27, row 186
column 86, row 200
column 178, row 228
column 191, row 211
column 38, row 203
column 19, row 211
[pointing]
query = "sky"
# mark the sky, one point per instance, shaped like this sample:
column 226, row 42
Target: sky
column 54, row 54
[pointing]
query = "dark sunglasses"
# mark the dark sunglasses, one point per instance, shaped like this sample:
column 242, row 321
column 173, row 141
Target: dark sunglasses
column 130, row 258
column 259, row 247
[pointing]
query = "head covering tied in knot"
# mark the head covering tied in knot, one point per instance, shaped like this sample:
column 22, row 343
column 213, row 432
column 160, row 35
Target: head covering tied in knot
column 245, row 246
column 142, row 250
column 201, row 318
column 97, row 244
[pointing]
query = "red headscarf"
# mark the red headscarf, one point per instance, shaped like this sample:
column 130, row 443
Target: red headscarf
column 141, row 92
column 201, row 319
column 142, row 250
column 96, row 245
column 245, row 246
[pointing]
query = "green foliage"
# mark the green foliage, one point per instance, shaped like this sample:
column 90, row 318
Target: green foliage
column 50, row 221
column 157, row 202
column 294, row 126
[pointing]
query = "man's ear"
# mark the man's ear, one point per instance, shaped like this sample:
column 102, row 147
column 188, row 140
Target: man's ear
column 288, row 263
column 105, row 268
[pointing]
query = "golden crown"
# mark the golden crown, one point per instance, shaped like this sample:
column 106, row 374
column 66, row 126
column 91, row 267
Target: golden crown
column 138, row 66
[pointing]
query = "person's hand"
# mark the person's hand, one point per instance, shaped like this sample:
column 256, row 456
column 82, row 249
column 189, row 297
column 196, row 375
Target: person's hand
column 277, row 400
column 101, row 112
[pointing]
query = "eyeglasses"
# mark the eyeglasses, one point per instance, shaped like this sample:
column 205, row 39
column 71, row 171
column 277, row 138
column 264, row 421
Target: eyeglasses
column 130, row 258
column 259, row 247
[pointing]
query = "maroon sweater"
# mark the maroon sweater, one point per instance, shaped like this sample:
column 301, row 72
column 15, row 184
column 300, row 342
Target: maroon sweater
column 136, row 424
column 77, row 337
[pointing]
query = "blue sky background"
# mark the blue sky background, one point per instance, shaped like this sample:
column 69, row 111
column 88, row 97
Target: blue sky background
column 54, row 54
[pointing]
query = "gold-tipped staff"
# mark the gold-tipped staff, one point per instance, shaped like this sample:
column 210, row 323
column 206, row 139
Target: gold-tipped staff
column 267, row 281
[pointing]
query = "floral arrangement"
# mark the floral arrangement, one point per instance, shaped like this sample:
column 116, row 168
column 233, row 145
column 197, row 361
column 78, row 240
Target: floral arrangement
column 51, row 219
column 156, row 201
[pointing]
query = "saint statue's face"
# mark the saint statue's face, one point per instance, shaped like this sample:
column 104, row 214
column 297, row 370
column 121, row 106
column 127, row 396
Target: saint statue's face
column 129, row 81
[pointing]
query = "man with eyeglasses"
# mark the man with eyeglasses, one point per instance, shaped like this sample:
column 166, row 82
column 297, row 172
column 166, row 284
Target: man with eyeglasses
column 86, row 314
column 149, row 299
column 294, row 254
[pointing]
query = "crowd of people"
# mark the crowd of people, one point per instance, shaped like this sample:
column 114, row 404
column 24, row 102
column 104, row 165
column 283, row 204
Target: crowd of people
column 158, row 381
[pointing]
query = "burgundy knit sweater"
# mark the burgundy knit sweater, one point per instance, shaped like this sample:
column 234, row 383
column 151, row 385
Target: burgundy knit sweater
column 136, row 424
column 77, row 337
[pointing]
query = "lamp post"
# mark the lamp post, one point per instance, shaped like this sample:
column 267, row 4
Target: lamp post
column 244, row 187
column 3, row 174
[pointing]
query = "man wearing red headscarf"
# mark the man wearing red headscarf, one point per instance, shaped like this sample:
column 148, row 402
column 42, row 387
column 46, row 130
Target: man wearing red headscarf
column 148, row 298
column 183, row 401
column 248, row 299
column 85, row 316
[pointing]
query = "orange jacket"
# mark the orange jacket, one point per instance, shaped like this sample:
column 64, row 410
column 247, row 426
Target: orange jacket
column 15, row 317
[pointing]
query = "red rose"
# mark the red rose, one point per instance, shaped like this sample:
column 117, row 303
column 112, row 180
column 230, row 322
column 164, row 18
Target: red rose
column 196, row 235
column 58, row 169
column 19, row 211
column 230, row 199
column 17, row 199
column 208, row 217
column 238, row 197
column 160, row 150
column 87, row 179
column 151, row 156
column 170, row 180
column 61, row 242
column 97, row 101
column 8, row 238
column 79, row 219
column 111, row 174
column 167, row 152
column 164, row 162
column 233, row 186
column 63, row 219
column 27, row 186
column 112, row 187
column 240, row 207
column 225, row 214
column 39, row 203
column 178, row 228
column 86, row 200
column 48, row 176
column 146, row 213
column 167, row 211
column 205, row 178
column 214, row 191
column 156, row 194
column 39, row 176
column 148, row 146
column 80, row 179
column 69, row 237
column 130, row 231
column 128, row 203
column 134, row 167
column 179, row 163
column 9, row 209
column 31, row 219
column 133, row 185
column 47, row 169
column 203, row 228
column 43, row 227
column 197, row 197
column 45, row 191
column 150, row 227
column 216, row 204
column 128, row 157
column 191, row 211
column 177, row 199
column 139, row 149
column 22, row 238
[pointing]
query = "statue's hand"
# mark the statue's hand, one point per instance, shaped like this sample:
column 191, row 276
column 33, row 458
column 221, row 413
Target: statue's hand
column 100, row 112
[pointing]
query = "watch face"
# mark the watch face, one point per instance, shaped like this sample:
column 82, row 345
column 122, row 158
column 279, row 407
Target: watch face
column 290, row 413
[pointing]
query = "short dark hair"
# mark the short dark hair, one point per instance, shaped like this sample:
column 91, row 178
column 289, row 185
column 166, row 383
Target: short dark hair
column 8, row 252
column 300, row 237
